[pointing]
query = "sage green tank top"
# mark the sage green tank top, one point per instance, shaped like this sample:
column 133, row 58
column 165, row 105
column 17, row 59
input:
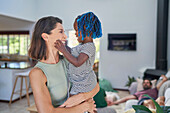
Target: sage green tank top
column 57, row 82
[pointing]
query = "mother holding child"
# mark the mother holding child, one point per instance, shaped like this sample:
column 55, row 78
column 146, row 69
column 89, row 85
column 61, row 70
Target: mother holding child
column 51, row 77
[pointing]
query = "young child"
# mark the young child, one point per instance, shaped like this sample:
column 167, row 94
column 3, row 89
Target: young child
column 81, row 57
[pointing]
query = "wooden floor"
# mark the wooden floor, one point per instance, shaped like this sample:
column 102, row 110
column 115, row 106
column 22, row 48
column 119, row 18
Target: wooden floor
column 20, row 106
column 120, row 108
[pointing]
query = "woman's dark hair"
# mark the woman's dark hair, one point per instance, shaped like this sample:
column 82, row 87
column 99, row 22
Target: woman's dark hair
column 38, row 48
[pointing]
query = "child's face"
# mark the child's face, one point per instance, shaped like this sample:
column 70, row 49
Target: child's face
column 79, row 38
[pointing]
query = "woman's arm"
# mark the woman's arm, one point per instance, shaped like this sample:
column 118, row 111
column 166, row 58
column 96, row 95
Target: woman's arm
column 163, row 80
column 79, row 98
column 92, row 93
column 43, row 99
column 76, row 61
column 124, row 99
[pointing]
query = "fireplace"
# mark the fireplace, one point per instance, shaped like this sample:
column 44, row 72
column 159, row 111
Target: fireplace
column 122, row 42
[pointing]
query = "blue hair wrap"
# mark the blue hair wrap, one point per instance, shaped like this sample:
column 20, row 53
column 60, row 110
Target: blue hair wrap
column 89, row 25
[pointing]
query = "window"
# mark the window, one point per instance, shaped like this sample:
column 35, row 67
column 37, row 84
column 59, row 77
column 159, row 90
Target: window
column 14, row 42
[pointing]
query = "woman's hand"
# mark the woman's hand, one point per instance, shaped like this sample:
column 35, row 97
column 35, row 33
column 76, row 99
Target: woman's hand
column 91, row 106
column 164, row 78
column 77, row 99
column 60, row 46
column 74, row 100
column 81, row 97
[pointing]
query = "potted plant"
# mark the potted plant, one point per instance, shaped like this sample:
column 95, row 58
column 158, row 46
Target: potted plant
column 130, row 80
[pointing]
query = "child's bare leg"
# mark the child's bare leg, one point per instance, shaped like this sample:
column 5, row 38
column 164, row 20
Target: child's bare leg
column 161, row 100
column 149, row 104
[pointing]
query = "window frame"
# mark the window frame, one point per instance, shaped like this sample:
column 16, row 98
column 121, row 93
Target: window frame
column 8, row 33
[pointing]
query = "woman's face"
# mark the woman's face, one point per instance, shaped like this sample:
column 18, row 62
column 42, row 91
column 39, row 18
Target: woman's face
column 79, row 38
column 57, row 34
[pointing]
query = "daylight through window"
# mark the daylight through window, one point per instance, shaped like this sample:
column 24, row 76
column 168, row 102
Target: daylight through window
column 14, row 42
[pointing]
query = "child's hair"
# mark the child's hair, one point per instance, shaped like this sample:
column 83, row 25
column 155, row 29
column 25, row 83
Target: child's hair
column 89, row 25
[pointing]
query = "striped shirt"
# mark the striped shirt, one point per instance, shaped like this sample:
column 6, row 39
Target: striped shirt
column 83, row 78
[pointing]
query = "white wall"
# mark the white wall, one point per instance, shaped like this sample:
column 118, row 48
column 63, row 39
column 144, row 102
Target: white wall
column 168, row 49
column 168, row 58
column 117, row 16
column 68, row 10
column 23, row 9
column 128, row 16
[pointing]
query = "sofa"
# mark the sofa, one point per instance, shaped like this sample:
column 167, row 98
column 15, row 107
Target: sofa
column 163, row 91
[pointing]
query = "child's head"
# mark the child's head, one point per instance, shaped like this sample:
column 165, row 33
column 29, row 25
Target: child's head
column 88, row 25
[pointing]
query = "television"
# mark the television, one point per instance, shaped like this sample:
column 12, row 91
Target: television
column 122, row 42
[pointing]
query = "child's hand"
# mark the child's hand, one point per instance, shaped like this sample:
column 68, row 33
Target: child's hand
column 60, row 46
column 109, row 103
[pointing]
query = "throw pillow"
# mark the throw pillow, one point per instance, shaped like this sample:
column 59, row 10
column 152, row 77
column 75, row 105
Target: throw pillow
column 111, row 96
column 106, row 85
column 140, row 81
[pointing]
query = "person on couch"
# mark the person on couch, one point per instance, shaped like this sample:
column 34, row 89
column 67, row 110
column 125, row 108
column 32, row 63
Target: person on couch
column 152, row 92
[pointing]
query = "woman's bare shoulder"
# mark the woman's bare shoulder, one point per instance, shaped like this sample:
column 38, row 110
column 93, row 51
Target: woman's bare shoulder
column 35, row 70
column 37, row 73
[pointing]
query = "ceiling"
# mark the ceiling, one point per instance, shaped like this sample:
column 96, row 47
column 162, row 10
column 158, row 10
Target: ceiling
column 10, row 23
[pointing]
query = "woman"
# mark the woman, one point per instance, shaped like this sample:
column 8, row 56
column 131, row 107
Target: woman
column 48, row 78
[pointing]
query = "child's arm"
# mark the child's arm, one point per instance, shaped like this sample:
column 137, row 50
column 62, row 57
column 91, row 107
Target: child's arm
column 75, row 61
column 67, row 47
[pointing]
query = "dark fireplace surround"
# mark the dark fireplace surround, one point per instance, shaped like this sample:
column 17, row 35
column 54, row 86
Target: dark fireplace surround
column 161, row 44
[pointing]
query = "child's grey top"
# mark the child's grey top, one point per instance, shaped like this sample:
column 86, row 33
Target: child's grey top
column 83, row 78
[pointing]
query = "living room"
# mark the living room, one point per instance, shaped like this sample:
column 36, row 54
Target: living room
column 139, row 17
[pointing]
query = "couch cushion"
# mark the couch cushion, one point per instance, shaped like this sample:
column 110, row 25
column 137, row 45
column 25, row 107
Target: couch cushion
column 167, row 97
column 106, row 85
column 129, row 104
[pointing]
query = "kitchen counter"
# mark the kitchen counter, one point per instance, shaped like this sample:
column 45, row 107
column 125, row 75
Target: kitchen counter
column 8, row 74
column 16, row 65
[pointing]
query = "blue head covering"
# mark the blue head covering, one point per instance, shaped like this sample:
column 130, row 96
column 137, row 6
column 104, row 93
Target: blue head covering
column 89, row 25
